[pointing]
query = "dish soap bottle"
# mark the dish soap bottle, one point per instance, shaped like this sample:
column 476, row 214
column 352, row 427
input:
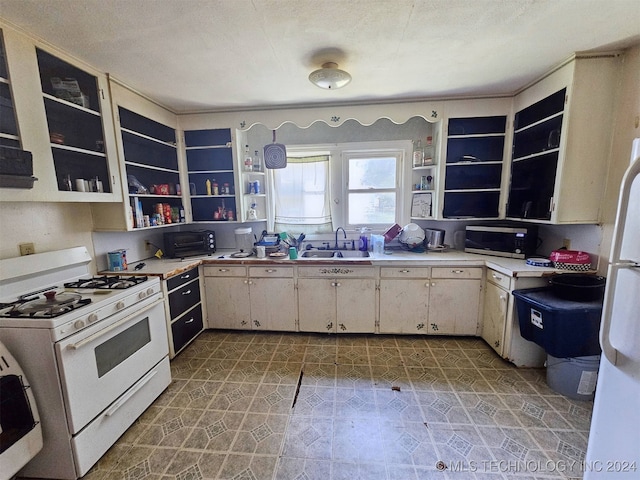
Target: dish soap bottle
column 363, row 244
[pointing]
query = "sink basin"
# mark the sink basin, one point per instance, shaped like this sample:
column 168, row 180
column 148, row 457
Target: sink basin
column 351, row 254
column 317, row 254
column 334, row 254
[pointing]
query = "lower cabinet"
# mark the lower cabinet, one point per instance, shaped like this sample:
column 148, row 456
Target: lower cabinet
column 227, row 294
column 500, row 325
column 454, row 300
column 436, row 301
column 262, row 298
column 404, row 299
column 272, row 296
column 337, row 299
column 184, row 307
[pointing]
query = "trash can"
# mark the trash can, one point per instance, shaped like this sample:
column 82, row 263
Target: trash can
column 573, row 377
column 568, row 331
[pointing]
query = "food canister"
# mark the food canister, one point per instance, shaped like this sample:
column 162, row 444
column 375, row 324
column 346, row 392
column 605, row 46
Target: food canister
column 117, row 260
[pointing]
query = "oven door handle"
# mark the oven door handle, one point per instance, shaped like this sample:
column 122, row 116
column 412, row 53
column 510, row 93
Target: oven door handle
column 125, row 398
column 104, row 331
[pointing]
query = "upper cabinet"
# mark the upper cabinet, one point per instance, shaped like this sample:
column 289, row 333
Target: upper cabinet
column 473, row 174
column 149, row 163
column 211, row 174
column 64, row 119
column 8, row 126
column 561, row 143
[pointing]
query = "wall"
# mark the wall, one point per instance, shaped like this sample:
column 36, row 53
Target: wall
column 626, row 128
column 50, row 226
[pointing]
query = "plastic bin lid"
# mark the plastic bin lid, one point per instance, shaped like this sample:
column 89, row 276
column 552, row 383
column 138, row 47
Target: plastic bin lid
column 545, row 298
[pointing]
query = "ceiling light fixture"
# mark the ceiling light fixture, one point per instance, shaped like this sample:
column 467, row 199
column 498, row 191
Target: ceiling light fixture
column 329, row 77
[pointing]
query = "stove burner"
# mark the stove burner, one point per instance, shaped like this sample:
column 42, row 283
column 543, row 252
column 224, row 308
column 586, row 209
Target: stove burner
column 115, row 282
column 50, row 311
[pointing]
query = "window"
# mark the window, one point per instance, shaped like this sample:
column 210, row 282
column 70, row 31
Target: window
column 372, row 187
column 301, row 195
column 349, row 185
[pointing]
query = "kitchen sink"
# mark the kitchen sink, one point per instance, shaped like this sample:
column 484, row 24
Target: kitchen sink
column 351, row 254
column 334, row 254
column 317, row 254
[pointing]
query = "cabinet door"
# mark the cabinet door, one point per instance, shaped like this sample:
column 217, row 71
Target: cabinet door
column 404, row 305
column 453, row 307
column 317, row 304
column 496, row 301
column 356, row 305
column 273, row 305
column 228, row 302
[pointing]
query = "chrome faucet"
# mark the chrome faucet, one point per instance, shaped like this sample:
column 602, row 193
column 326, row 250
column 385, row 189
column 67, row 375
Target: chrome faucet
column 345, row 236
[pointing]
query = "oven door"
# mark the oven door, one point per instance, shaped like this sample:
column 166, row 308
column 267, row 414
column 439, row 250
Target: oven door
column 100, row 363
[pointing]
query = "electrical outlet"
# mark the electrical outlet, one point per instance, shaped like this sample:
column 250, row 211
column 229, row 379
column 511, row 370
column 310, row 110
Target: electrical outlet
column 27, row 249
column 566, row 243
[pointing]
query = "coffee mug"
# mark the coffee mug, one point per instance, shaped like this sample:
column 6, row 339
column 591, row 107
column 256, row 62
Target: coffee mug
column 261, row 251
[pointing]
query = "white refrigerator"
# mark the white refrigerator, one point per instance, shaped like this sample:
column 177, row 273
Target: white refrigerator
column 613, row 451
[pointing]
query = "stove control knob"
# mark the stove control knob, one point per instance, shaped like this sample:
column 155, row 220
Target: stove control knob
column 92, row 318
column 78, row 324
column 142, row 295
column 119, row 305
column 149, row 291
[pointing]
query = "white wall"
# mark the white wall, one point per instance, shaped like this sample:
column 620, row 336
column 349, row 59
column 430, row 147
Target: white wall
column 50, row 226
column 626, row 128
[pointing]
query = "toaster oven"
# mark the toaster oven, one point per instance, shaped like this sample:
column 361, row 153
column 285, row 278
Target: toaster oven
column 189, row 244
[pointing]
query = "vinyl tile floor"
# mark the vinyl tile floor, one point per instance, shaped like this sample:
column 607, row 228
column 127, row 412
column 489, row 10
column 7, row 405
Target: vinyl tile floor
column 261, row 406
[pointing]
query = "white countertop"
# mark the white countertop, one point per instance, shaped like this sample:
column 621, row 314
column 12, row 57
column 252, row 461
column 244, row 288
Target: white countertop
column 168, row 267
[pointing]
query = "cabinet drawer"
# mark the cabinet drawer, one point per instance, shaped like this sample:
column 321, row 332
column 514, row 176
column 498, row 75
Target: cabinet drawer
column 186, row 328
column 456, row 272
column 271, row 271
column 337, row 271
column 499, row 279
column 405, row 272
column 184, row 298
column 181, row 279
column 225, row 271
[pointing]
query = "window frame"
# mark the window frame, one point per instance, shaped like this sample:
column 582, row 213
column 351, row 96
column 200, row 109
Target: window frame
column 339, row 175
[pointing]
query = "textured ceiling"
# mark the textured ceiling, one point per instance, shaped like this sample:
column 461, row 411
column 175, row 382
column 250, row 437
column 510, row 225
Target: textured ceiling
column 207, row 55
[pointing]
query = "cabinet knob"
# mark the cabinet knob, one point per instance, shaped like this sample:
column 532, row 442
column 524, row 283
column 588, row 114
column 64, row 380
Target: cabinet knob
column 457, row 271
column 496, row 277
column 223, row 269
column 503, row 298
column 190, row 320
column 184, row 277
column 405, row 271
column 433, row 284
column 270, row 270
column 188, row 292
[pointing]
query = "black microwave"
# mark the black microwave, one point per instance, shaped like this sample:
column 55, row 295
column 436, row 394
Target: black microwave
column 502, row 240
column 189, row 244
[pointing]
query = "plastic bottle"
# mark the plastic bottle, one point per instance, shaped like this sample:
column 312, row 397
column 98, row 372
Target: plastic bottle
column 208, row 184
column 252, row 214
column 257, row 162
column 248, row 161
column 363, row 244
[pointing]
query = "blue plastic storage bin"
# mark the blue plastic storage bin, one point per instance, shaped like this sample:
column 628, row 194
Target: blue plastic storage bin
column 564, row 328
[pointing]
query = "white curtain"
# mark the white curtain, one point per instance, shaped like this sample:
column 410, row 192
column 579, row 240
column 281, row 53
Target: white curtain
column 300, row 195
